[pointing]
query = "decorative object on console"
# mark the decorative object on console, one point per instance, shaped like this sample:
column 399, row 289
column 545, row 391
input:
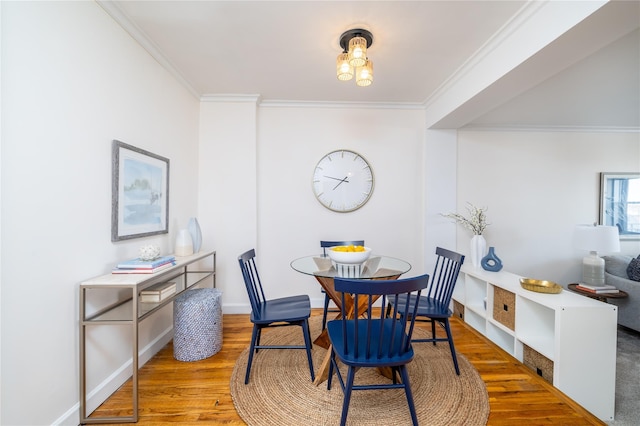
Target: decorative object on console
column 184, row 244
column 540, row 286
column 595, row 238
column 476, row 223
column 149, row 252
column 196, row 234
column 491, row 262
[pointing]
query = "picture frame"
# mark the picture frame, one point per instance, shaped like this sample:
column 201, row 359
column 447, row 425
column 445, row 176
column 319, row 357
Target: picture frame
column 139, row 193
column 620, row 203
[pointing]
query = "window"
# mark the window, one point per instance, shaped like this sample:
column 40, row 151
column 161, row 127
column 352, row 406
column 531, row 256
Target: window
column 620, row 203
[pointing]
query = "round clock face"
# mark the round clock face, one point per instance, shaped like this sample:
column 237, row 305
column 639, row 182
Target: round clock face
column 343, row 181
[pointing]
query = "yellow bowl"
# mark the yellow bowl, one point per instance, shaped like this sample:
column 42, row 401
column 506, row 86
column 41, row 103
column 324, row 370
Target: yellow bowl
column 540, row 286
column 349, row 257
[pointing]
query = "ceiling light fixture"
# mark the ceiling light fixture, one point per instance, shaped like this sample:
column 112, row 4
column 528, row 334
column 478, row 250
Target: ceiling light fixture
column 354, row 45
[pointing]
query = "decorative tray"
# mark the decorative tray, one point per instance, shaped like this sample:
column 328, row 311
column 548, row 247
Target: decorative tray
column 540, row 286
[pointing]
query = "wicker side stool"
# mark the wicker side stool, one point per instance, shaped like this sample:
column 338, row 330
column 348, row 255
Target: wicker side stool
column 197, row 324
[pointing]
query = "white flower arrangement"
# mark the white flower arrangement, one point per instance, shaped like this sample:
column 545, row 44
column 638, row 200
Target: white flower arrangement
column 476, row 222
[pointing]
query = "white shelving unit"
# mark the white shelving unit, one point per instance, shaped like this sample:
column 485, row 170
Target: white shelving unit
column 570, row 340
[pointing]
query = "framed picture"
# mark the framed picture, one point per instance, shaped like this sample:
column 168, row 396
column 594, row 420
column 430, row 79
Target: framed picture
column 620, row 203
column 139, row 191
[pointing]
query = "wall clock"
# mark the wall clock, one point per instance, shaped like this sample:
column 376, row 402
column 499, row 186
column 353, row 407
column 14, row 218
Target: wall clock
column 343, row 181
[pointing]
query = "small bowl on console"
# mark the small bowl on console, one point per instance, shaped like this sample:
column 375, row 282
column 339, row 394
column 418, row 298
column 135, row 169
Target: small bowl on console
column 348, row 257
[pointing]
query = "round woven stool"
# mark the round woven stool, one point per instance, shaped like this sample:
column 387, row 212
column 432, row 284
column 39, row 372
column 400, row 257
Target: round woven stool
column 197, row 324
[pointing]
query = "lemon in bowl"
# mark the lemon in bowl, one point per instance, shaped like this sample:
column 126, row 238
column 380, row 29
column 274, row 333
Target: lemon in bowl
column 349, row 255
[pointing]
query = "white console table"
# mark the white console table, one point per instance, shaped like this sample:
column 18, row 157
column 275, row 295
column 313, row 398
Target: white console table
column 570, row 340
column 123, row 307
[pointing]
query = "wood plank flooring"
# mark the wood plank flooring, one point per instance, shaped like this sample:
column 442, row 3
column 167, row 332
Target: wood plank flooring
column 174, row 392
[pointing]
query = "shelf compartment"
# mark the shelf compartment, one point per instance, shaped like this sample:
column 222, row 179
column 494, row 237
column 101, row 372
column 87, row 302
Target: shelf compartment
column 504, row 307
column 536, row 326
column 458, row 310
column 501, row 337
column 539, row 363
column 476, row 321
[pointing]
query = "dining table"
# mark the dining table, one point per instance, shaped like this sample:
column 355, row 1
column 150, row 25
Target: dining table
column 376, row 267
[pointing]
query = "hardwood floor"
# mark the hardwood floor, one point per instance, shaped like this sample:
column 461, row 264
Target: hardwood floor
column 172, row 392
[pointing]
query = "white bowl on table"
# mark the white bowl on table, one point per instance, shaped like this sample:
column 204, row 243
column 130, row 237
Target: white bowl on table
column 349, row 257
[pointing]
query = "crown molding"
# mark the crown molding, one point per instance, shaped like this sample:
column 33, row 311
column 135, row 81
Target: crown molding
column 545, row 128
column 343, row 105
column 231, row 98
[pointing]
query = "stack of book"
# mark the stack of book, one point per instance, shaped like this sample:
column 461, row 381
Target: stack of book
column 597, row 289
column 158, row 292
column 138, row 266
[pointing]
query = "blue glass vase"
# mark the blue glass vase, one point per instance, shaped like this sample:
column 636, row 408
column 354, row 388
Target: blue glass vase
column 491, row 262
column 196, row 234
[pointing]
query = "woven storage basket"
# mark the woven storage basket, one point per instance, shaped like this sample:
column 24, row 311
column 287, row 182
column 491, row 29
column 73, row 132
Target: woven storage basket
column 197, row 324
column 504, row 307
column 458, row 310
column 539, row 363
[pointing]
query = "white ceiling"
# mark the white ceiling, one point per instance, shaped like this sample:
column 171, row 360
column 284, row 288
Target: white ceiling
column 286, row 51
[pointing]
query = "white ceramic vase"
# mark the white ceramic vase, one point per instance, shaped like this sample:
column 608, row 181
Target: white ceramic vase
column 478, row 250
column 184, row 244
column 196, row 234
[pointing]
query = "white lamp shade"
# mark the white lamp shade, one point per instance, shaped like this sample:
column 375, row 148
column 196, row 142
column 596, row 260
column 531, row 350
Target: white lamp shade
column 599, row 238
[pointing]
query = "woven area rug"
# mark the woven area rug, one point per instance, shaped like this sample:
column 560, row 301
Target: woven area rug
column 280, row 391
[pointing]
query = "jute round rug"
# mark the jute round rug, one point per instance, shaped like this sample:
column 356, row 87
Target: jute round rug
column 280, row 391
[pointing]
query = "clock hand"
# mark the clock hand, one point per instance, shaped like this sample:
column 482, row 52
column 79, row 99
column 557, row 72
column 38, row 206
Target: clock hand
column 334, row 178
column 341, row 180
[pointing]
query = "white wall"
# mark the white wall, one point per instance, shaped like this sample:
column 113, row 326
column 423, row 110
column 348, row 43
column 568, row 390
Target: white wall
column 537, row 186
column 73, row 80
column 262, row 188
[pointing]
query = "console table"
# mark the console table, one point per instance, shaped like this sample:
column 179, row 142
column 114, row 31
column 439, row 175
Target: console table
column 567, row 339
column 118, row 298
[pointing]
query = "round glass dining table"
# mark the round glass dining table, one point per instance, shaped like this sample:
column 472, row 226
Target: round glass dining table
column 376, row 267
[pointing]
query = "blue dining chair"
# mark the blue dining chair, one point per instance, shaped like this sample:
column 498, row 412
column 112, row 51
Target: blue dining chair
column 376, row 340
column 434, row 303
column 286, row 311
column 325, row 245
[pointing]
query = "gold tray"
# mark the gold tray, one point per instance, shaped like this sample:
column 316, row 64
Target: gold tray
column 540, row 286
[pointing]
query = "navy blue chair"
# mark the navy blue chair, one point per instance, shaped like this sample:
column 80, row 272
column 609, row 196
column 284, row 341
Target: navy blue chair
column 434, row 303
column 286, row 311
column 377, row 340
column 325, row 245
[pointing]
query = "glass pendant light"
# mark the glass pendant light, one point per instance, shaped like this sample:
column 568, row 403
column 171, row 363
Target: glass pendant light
column 357, row 51
column 364, row 74
column 343, row 67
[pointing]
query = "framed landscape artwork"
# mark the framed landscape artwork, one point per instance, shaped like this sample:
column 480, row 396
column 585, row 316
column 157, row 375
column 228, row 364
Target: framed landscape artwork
column 139, row 191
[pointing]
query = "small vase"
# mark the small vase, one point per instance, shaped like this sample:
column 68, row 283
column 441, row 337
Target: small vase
column 491, row 262
column 196, row 234
column 478, row 248
column 184, row 245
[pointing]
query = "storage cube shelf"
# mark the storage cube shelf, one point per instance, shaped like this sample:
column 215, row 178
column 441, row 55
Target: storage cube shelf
column 559, row 336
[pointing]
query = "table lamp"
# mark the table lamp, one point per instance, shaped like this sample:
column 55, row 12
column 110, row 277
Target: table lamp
column 595, row 239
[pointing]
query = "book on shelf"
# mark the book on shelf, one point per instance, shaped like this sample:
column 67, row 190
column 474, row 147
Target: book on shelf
column 138, row 263
column 142, row 270
column 158, row 292
column 596, row 290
